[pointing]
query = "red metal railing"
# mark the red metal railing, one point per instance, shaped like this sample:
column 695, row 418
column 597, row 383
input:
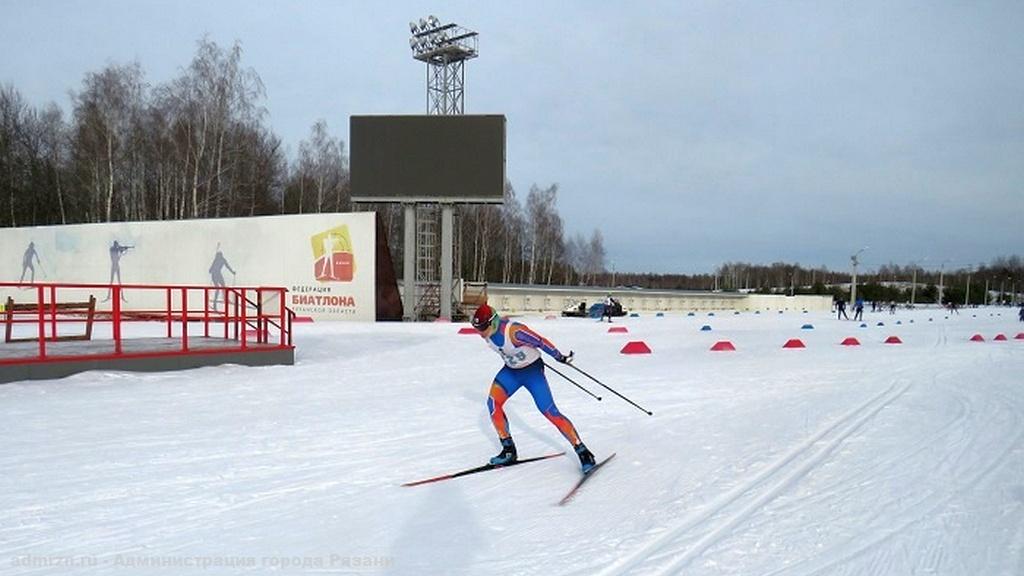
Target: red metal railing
column 247, row 318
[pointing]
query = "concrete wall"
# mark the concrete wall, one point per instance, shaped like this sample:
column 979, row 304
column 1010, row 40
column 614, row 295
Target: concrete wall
column 554, row 299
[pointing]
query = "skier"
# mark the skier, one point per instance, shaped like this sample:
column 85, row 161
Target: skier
column 858, row 310
column 609, row 304
column 841, row 310
column 520, row 348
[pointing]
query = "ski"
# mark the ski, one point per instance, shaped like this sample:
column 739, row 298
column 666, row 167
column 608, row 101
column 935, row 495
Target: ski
column 483, row 468
column 585, row 477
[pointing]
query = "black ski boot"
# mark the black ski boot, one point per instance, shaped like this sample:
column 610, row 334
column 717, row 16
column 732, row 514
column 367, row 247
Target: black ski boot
column 586, row 457
column 507, row 455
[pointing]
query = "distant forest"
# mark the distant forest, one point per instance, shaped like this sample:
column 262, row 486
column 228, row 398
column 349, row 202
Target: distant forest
column 198, row 146
column 1002, row 278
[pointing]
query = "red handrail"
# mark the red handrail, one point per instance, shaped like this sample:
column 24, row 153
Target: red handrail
column 55, row 303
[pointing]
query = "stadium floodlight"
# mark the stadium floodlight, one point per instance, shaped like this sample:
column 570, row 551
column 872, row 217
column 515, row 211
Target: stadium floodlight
column 441, row 44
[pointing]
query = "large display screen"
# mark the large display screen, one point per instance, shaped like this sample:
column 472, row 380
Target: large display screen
column 428, row 158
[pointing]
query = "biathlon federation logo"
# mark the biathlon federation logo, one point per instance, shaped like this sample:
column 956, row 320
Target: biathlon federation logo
column 334, row 260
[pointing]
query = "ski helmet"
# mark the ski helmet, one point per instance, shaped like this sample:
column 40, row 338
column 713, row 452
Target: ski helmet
column 483, row 317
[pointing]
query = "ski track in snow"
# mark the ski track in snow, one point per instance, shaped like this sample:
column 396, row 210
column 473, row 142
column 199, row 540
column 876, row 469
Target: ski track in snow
column 674, row 549
column 826, row 461
column 758, row 490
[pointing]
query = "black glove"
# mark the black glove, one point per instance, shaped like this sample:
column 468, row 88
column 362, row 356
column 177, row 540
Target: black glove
column 564, row 359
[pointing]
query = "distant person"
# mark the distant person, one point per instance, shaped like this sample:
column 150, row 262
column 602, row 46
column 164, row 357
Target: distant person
column 217, row 274
column 26, row 263
column 609, row 306
column 1021, row 314
column 116, row 251
column 858, row 310
column 892, row 307
column 841, row 310
column 520, row 348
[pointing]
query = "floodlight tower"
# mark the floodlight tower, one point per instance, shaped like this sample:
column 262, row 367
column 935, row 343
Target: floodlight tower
column 444, row 48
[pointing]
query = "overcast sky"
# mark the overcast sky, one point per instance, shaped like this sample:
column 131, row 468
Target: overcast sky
column 690, row 133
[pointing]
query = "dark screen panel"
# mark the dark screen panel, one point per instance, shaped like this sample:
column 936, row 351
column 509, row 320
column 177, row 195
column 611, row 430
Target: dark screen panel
column 456, row 158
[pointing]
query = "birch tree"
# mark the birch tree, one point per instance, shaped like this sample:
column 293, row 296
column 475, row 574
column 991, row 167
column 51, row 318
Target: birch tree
column 104, row 112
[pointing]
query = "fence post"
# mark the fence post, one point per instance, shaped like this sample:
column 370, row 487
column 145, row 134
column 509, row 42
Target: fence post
column 245, row 319
column 53, row 313
column 41, row 310
column 206, row 312
column 280, row 296
column 170, row 321
column 116, row 292
column 184, row 319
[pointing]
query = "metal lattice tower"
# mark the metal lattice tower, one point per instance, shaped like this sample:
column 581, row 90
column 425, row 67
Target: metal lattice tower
column 444, row 48
column 429, row 301
column 446, row 84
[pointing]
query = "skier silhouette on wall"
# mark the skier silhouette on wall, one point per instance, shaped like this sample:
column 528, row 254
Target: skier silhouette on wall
column 217, row 274
column 328, row 244
column 116, row 251
column 26, row 263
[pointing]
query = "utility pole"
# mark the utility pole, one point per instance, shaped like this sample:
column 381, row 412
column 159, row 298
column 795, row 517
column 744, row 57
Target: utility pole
column 942, row 273
column 853, row 284
column 967, row 299
column 913, row 287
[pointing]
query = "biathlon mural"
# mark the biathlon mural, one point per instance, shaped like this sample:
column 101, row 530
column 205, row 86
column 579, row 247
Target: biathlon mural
column 325, row 260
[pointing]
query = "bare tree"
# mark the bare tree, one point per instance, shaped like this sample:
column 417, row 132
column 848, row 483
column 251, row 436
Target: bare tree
column 540, row 214
column 595, row 256
column 513, row 223
column 106, row 108
column 12, row 166
column 54, row 135
column 322, row 168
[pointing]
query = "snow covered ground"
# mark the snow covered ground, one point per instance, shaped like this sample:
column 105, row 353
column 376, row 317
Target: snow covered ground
column 877, row 459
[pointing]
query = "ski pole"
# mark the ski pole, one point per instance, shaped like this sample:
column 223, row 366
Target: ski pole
column 612, row 390
column 574, row 383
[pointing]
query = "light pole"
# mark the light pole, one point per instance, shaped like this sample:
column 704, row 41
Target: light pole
column 967, row 299
column 942, row 274
column 853, row 284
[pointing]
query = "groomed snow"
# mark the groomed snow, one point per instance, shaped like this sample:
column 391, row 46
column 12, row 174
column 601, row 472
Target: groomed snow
column 832, row 460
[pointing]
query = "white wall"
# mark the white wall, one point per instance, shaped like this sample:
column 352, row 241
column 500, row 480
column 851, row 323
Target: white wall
column 554, row 299
column 284, row 251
